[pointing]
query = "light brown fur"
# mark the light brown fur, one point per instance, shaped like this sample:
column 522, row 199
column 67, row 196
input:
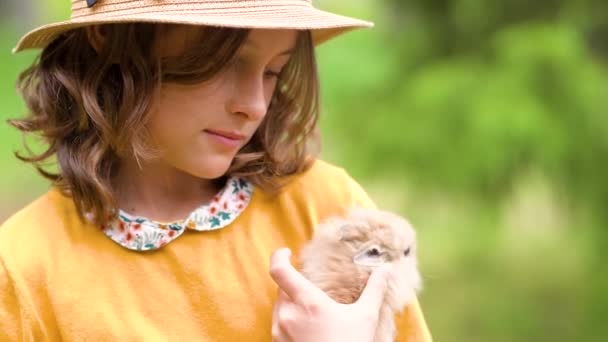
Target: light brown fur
column 328, row 261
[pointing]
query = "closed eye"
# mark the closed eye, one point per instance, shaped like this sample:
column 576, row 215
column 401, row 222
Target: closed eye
column 272, row 74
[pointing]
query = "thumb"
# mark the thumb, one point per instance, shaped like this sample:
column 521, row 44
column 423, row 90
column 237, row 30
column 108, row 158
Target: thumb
column 295, row 285
column 374, row 291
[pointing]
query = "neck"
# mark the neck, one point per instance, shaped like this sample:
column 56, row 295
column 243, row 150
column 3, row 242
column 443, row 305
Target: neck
column 160, row 192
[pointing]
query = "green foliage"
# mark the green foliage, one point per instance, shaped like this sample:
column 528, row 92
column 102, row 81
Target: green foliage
column 19, row 183
column 530, row 97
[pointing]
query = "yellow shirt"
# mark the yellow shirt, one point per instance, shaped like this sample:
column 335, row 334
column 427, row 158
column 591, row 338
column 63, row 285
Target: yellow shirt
column 63, row 280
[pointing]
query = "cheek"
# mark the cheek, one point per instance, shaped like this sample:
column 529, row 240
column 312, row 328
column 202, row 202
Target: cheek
column 170, row 129
column 270, row 87
column 163, row 125
column 184, row 110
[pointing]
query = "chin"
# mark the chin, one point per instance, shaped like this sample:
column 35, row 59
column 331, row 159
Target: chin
column 211, row 169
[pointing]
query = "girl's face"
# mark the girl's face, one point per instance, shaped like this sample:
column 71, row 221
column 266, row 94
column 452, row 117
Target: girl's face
column 198, row 129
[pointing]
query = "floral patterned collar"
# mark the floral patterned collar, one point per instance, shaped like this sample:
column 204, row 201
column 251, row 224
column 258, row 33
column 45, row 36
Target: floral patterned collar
column 142, row 234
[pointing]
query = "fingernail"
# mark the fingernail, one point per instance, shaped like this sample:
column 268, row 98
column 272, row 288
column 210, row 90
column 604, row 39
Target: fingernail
column 284, row 252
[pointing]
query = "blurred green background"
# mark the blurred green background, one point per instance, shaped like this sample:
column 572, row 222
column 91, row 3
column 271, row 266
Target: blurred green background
column 484, row 122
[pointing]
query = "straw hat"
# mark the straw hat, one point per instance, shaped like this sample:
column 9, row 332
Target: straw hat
column 286, row 14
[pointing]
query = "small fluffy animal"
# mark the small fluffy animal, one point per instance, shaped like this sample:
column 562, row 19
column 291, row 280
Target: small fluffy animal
column 342, row 254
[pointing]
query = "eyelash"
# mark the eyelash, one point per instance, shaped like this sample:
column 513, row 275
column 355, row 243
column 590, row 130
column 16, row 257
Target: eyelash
column 271, row 73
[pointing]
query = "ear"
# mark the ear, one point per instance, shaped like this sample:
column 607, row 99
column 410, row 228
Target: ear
column 96, row 36
column 370, row 256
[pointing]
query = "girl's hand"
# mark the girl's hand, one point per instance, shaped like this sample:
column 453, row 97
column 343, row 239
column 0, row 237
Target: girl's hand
column 304, row 313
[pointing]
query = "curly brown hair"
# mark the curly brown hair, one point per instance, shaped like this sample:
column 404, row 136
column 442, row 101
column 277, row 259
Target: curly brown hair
column 91, row 106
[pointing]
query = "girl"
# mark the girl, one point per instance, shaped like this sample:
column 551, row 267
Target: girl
column 185, row 138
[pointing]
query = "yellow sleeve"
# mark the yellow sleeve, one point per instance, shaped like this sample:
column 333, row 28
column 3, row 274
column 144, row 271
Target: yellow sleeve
column 358, row 195
column 10, row 322
column 411, row 325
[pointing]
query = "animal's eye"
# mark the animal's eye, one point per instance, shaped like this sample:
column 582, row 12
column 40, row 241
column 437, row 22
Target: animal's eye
column 373, row 252
column 407, row 252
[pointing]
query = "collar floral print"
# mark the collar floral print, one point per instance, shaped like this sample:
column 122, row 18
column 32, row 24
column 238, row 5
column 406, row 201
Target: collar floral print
column 142, row 234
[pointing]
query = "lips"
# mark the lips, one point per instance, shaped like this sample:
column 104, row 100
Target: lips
column 227, row 134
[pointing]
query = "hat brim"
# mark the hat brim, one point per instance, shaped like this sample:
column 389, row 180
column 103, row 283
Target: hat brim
column 323, row 25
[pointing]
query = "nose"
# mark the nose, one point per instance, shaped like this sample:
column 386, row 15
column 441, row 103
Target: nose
column 248, row 97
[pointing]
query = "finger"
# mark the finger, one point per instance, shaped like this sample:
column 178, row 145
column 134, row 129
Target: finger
column 295, row 285
column 374, row 291
column 276, row 332
column 283, row 303
column 283, row 297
